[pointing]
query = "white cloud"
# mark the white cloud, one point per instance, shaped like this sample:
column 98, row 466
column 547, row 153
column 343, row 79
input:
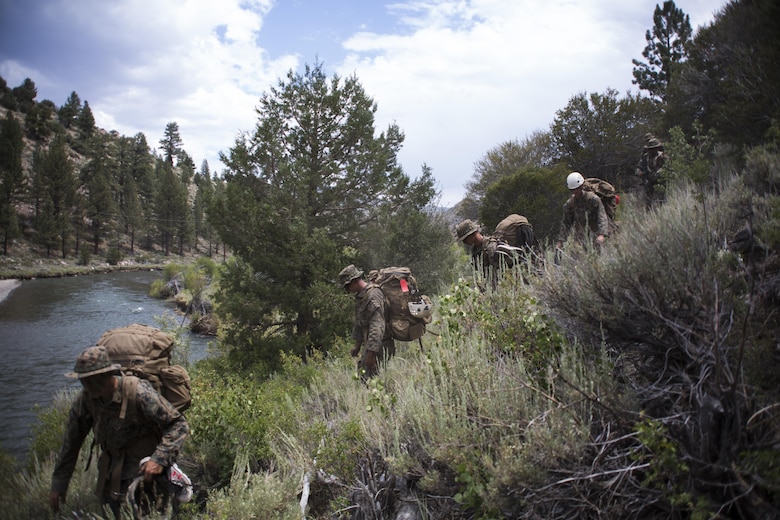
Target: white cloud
column 459, row 77
column 15, row 73
column 467, row 76
column 193, row 62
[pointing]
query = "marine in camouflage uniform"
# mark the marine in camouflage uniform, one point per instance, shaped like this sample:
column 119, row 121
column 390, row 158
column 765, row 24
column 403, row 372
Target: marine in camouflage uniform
column 584, row 215
column 489, row 253
column 370, row 329
column 649, row 168
column 150, row 426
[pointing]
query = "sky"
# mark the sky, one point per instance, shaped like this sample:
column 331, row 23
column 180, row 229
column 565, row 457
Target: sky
column 458, row 77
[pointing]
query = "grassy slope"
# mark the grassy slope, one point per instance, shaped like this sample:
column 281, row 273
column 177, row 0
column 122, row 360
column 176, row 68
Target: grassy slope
column 627, row 384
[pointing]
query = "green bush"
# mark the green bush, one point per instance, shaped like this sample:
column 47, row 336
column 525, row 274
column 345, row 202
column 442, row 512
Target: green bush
column 207, row 266
column 159, row 289
column 114, row 256
column 171, row 270
column 49, row 427
column 85, row 255
column 231, row 416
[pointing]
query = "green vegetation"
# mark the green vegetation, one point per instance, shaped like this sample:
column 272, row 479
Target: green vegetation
column 638, row 381
column 530, row 397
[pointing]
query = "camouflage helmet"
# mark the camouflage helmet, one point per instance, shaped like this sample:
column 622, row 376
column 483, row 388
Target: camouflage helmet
column 465, row 229
column 91, row 362
column 652, row 142
column 348, row 274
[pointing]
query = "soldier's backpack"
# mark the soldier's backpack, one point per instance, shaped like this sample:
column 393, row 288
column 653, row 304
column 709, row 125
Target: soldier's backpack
column 145, row 352
column 409, row 311
column 606, row 192
column 516, row 231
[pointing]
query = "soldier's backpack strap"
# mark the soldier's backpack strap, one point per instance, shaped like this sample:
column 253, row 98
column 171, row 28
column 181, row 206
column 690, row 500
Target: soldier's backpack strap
column 129, row 389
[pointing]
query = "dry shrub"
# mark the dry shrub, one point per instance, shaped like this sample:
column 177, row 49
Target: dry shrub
column 671, row 297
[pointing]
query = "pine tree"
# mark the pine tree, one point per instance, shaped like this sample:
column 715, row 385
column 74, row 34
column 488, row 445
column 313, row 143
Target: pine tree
column 70, row 110
column 132, row 215
column 37, row 120
column 25, row 95
column 85, row 121
column 299, row 194
column 11, row 176
column 666, row 48
column 97, row 177
column 171, row 142
column 171, row 208
column 56, row 194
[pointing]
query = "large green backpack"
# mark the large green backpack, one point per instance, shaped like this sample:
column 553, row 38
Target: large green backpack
column 408, row 311
column 145, row 352
column 606, row 192
column 516, row 231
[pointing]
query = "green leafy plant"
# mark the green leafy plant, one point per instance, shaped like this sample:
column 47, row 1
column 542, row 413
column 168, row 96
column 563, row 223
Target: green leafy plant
column 85, row 256
column 379, row 399
column 667, row 472
column 114, row 256
column 473, row 491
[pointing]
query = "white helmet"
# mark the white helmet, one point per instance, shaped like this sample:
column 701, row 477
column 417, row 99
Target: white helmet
column 575, row 180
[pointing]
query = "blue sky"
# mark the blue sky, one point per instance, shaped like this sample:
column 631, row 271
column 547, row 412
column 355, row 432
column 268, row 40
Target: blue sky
column 459, row 77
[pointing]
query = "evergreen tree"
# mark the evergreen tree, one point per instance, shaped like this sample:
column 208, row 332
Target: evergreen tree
column 37, row 120
column 536, row 193
column 666, row 48
column 85, row 121
column 70, row 110
column 97, row 178
column 601, row 135
column 171, row 142
column 171, row 208
column 731, row 81
column 131, row 212
column 25, row 95
column 11, row 176
column 56, row 187
column 535, row 151
column 46, row 225
column 186, row 166
column 203, row 196
column 217, row 201
column 428, row 250
column 299, row 194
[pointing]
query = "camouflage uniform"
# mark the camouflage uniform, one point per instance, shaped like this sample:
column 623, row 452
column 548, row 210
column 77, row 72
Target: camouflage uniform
column 490, row 254
column 153, row 427
column 370, row 325
column 493, row 254
column 649, row 169
column 581, row 214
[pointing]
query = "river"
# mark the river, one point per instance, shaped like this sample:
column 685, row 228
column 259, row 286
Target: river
column 46, row 322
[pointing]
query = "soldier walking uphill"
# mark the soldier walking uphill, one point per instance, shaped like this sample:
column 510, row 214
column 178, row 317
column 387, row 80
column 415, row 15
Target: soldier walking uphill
column 488, row 253
column 649, row 168
column 370, row 330
column 584, row 216
column 154, row 428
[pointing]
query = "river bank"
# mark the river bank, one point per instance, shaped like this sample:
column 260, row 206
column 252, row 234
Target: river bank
column 11, row 279
column 47, row 321
column 6, row 286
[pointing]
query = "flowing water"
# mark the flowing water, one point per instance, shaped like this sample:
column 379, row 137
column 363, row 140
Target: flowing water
column 45, row 323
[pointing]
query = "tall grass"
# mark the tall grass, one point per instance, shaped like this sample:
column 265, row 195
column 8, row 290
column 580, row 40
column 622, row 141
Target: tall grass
column 612, row 385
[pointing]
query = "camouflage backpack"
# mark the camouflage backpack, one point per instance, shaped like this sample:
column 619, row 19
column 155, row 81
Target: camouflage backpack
column 145, row 352
column 516, row 231
column 606, row 192
column 408, row 310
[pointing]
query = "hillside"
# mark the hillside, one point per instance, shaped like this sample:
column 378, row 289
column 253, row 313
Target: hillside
column 637, row 380
column 74, row 191
column 640, row 382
